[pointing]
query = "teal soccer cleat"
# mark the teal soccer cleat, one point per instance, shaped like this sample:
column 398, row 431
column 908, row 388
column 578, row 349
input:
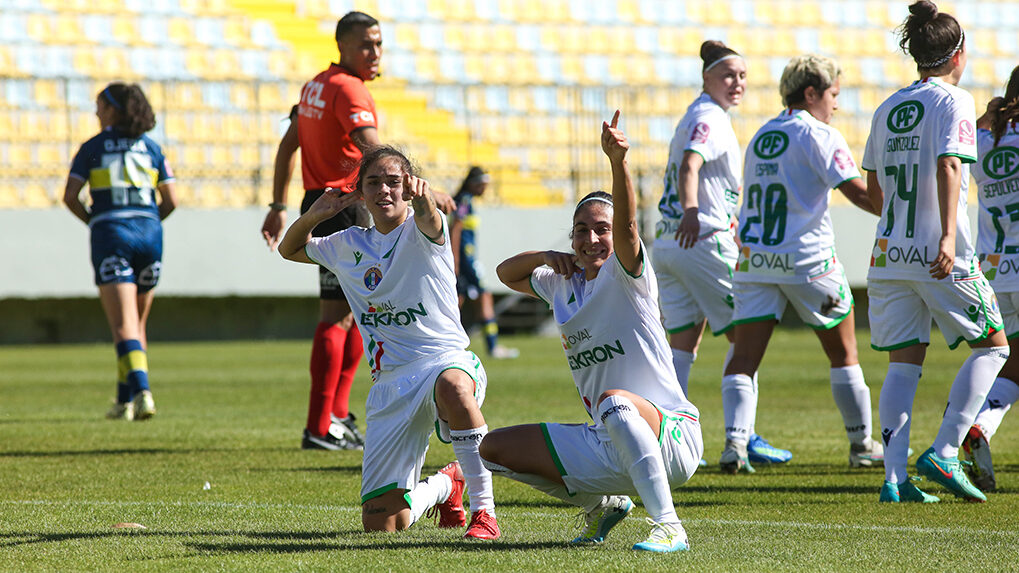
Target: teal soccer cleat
column 599, row 522
column 905, row 492
column 949, row 473
column 759, row 451
column 664, row 538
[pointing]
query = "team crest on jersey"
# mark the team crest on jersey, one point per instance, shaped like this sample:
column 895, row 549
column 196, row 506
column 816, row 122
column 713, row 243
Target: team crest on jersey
column 372, row 278
column 966, row 134
column 843, row 160
column 700, row 133
column 905, row 116
column 1002, row 162
column 771, row 144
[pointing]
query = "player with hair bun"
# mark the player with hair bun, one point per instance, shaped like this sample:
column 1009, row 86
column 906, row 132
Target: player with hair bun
column 399, row 278
column 923, row 264
column 694, row 249
column 125, row 169
column 996, row 174
column 788, row 255
column 645, row 438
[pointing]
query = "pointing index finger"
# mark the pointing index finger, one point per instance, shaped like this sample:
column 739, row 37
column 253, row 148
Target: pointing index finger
column 615, row 119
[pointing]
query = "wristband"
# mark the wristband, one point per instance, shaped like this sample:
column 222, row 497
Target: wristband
column 275, row 206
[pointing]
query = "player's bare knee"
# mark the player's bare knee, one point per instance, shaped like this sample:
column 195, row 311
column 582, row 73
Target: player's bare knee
column 613, row 392
column 493, row 445
column 383, row 515
column 453, row 391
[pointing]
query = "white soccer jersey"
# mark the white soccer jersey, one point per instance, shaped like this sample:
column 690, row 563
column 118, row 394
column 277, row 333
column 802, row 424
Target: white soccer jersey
column 706, row 130
column 910, row 131
column 997, row 177
column 401, row 288
column 612, row 333
column 792, row 164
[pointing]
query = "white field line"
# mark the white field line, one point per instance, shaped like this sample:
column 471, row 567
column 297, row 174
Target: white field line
column 530, row 513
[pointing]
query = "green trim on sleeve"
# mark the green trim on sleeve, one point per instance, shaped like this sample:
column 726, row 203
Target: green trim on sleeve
column 310, row 257
column 845, row 180
column 643, row 263
column 963, row 158
column 530, row 281
column 442, row 231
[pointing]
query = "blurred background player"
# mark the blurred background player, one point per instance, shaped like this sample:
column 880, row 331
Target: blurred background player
column 399, row 274
column 695, row 249
column 997, row 249
column 463, row 237
column 335, row 124
column 124, row 169
column 923, row 265
column 646, row 438
column 788, row 255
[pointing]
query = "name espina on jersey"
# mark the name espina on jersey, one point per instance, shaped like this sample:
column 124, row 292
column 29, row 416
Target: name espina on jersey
column 385, row 314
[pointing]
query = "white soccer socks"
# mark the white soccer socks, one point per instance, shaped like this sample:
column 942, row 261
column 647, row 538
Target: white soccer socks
column 852, row 396
column 999, row 400
column 683, row 362
column 428, row 492
column 638, row 450
column 969, row 389
column 895, row 408
column 739, row 405
column 477, row 476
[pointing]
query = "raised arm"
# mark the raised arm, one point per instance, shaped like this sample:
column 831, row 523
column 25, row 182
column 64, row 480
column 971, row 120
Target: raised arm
column 283, row 171
column 515, row 272
column 426, row 217
column 949, row 178
column 625, row 238
column 298, row 235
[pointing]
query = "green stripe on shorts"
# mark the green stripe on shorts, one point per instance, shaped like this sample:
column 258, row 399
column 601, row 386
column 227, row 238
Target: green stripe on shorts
column 551, row 449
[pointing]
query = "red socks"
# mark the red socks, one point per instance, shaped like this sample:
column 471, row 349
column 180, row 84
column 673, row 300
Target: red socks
column 326, row 364
column 353, row 350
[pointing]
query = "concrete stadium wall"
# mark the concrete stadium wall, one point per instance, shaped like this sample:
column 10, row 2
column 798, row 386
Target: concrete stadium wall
column 220, row 281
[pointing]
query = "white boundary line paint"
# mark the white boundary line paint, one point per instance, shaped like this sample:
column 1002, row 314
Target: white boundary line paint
column 539, row 514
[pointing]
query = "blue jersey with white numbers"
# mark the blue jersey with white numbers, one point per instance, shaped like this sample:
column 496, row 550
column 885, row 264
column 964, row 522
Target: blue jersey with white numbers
column 122, row 173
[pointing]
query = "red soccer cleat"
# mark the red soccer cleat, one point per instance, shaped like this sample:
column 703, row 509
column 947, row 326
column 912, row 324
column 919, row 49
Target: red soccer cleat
column 483, row 526
column 451, row 511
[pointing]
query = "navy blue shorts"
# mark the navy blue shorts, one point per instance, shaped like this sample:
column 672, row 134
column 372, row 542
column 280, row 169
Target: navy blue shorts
column 128, row 251
column 468, row 280
column 355, row 215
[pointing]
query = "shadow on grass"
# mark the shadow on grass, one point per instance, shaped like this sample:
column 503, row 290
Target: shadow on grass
column 109, row 452
column 281, row 541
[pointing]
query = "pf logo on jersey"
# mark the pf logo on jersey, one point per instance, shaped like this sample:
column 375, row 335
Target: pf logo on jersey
column 905, row 116
column 966, row 134
column 372, row 278
column 362, row 117
column 842, row 159
column 700, row 133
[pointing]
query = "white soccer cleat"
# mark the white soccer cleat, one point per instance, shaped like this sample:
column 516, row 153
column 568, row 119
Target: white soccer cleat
column 121, row 411
column 664, row 538
column 601, row 520
column 144, row 405
column 866, row 455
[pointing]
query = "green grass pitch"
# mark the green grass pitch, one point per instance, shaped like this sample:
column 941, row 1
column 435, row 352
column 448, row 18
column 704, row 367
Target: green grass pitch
column 231, row 414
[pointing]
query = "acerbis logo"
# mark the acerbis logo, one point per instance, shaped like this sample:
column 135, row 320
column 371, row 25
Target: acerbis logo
column 1002, row 162
column 771, row 144
column 905, row 116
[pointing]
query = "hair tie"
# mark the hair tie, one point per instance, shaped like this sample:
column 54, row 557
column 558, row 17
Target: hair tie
column 720, row 60
column 941, row 61
column 109, row 98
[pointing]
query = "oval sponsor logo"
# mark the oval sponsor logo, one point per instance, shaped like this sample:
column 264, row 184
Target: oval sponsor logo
column 771, row 144
column 1001, row 162
column 905, row 116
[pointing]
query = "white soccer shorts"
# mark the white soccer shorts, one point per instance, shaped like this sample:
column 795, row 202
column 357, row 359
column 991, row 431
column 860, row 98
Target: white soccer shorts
column 400, row 417
column 588, row 461
column 1008, row 305
column 901, row 311
column 696, row 283
column 821, row 302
